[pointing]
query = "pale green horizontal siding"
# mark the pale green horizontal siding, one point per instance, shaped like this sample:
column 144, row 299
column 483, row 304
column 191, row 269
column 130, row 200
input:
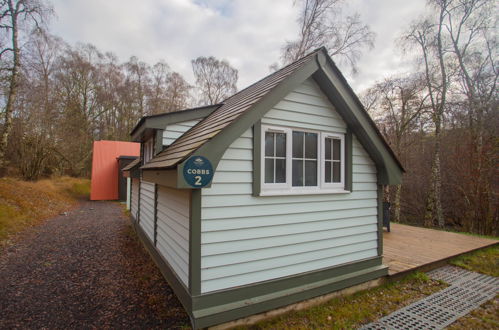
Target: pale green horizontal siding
column 172, row 235
column 147, row 208
column 310, row 110
column 174, row 131
column 247, row 239
column 134, row 204
column 346, row 229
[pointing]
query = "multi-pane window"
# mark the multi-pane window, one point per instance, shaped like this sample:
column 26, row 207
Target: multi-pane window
column 304, row 159
column 332, row 160
column 296, row 161
column 275, row 157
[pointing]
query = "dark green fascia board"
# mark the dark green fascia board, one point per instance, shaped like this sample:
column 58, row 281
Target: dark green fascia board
column 162, row 120
column 214, row 149
column 257, row 158
column 346, row 103
column 166, row 178
column 172, row 178
column 348, row 160
column 380, row 220
column 219, row 307
column 195, row 243
column 178, row 287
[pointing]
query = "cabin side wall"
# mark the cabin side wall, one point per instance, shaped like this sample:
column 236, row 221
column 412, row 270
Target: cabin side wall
column 247, row 239
column 174, row 131
column 164, row 216
column 146, row 212
column 134, row 204
column 172, row 230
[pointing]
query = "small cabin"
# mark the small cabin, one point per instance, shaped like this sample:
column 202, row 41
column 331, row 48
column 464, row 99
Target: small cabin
column 270, row 198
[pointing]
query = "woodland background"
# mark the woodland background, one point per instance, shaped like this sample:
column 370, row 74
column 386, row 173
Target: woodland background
column 440, row 117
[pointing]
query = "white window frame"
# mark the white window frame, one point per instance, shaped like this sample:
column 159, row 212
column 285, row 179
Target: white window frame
column 275, row 189
column 148, row 150
column 276, row 186
column 305, row 189
column 333, row 185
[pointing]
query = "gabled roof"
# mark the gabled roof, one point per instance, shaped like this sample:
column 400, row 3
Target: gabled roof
column 160, row 121
column 212, row 135
column 230, row 111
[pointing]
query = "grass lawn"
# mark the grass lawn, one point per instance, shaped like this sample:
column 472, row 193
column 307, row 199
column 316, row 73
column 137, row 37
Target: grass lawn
column 366, row 306
column 24, row 204
column 484, row 261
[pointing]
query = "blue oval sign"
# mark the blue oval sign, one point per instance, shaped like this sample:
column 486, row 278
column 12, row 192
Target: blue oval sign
column 198, row 171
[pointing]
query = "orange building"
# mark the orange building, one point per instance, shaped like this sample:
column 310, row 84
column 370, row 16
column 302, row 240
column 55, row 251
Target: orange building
column 105, row 169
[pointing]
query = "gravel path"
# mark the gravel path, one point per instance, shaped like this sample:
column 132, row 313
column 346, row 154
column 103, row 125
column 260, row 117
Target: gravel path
column 84, row 269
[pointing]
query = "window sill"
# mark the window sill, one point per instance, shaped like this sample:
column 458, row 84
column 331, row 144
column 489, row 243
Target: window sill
column 287, row 192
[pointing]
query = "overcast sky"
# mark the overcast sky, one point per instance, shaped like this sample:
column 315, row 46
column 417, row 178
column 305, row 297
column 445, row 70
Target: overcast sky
column 247, row 33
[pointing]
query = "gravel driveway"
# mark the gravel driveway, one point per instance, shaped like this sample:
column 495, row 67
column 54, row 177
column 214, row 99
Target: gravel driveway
column 84, row 269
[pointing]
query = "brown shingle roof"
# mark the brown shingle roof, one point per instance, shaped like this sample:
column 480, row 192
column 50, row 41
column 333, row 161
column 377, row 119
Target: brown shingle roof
column 229, row 112
column 132, row 164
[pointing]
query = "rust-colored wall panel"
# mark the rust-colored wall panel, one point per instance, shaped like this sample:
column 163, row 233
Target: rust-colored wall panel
column 104, row 184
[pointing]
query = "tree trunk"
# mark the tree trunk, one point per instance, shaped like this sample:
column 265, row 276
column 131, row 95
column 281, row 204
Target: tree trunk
column 434, row 212
column 396, row 206
column 12, row 89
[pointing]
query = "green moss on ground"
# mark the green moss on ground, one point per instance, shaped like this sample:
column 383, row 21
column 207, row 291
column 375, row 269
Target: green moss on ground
column 347, row 312
column 485, row 261
column 367, row 306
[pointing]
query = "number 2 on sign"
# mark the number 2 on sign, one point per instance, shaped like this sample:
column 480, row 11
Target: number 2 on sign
column 198, row 180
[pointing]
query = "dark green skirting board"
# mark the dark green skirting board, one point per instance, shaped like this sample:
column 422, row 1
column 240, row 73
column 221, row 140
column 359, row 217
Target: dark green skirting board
column 227, row 305
column 253, row 299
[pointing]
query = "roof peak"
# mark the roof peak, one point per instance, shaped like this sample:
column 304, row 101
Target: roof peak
column 230, row 111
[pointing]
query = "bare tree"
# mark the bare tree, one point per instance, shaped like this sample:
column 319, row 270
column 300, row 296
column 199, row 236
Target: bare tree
column 138, row 79
column 396, row 104
column 177, row 92
column 169, row 90
column 39, row 64
column 113, row 121
column 32, row 142
column 78, row 81
column 15, row 14
column 159, row 77
column 215, row 79
column 428, row 38
column 322, row 24
column 471, row 29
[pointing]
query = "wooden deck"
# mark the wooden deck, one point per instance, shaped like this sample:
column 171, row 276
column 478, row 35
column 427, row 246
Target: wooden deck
column 408, row 248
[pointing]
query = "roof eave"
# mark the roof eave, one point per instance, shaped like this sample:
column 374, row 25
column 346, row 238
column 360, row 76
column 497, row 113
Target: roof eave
column 215, row 147
column 160, row 121
column 341, row 95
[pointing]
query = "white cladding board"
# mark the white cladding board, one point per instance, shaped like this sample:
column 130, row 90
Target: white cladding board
column 174, row 131
column 172, row 238
column 146, row 217
column 135, row 198
column 247, row 239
